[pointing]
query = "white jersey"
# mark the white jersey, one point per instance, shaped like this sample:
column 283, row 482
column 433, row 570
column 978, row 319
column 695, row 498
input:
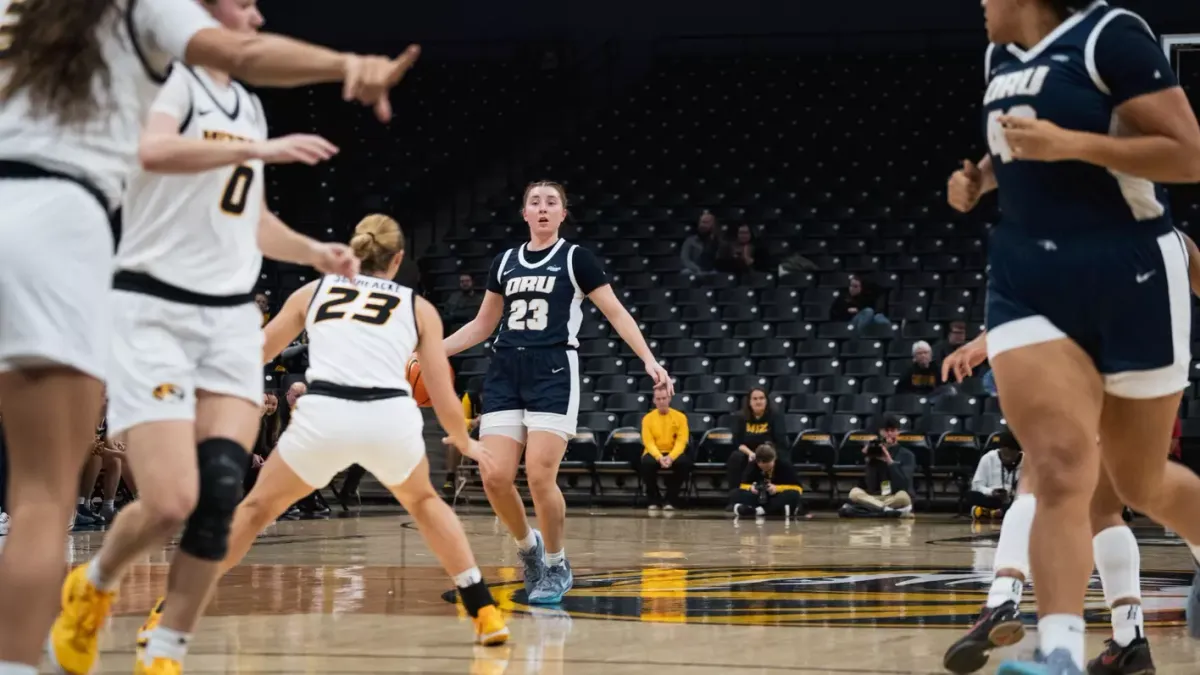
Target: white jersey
column 199, row 231
column 139, row 39
column 361, row 332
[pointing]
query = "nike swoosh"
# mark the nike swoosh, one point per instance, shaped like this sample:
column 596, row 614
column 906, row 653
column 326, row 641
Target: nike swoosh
column 202, row 113
column 1142, row 278
column 558, row 370
column 510, row 271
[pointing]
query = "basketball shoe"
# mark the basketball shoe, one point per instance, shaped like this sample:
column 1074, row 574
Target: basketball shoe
column 554, row 584
column 1058, row 662
column 74, row 644
column 996, row 627
column 490, row 629
column 1132, row 659
column 534, row 561
column 143, row 636
column 159, row 666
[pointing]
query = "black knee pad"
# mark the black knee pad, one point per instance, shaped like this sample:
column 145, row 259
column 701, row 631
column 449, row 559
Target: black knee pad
column 223, row 465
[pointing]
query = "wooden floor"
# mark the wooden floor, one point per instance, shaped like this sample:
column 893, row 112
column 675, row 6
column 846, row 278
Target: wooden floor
column 653, row 596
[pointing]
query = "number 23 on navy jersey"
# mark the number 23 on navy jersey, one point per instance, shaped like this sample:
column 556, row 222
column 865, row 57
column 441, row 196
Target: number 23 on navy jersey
column 1076, row 78
column 543, row 294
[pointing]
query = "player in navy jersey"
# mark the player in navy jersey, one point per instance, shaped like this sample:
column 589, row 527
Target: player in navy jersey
column 1088, row 310
column 535, row 294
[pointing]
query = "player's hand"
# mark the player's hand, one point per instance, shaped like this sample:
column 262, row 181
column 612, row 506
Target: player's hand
column 660, row 377
column 295, row 148
column 965, row 187
column 965, row 359
column 482, row 456
column 1038, row 140
column 369, row 79
column 332, row 258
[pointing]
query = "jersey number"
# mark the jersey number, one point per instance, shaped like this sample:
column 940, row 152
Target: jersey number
column 997, row 142
column 528, row 315
column 233, row 201
column 376, row 311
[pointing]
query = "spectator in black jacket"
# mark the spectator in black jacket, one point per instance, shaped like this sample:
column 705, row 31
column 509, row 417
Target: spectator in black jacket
column 887, row 483
column 924, row 375
column 856, row 306
column 756, row 424
column 770, row 487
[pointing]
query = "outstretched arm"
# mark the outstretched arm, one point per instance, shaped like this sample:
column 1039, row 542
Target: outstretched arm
column 288, row 323
column 478, row 329
column 620, row 319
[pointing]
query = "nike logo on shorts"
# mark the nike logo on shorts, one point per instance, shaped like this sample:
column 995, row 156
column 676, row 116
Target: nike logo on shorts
column 557, row 370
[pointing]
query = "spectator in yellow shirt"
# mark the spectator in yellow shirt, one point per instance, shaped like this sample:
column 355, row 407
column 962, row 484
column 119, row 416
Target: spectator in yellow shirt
column 665, row 437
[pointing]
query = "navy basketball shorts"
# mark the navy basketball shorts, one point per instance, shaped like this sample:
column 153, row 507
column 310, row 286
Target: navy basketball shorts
column 534, row 389
column 1125, row 300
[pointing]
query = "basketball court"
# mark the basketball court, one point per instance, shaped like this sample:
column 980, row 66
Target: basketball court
column 694, row 594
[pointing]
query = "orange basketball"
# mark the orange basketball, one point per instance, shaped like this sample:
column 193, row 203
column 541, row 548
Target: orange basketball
column 417, row 382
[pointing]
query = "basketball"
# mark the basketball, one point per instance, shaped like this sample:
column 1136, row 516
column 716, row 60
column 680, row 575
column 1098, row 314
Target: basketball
column 417, row 382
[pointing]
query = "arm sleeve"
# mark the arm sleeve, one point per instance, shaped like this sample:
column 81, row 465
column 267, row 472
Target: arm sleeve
column 493, row 279
column 586, row 270
column 175, row 97
column 681, row 435
column 648, row 437
column 169, row 25
column 1125, row 60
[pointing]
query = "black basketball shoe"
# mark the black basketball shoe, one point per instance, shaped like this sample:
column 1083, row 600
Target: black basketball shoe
column 1133, row 659
column 996, row 627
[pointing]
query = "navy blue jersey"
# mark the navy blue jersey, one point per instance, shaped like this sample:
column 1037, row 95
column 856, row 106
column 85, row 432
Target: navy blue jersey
column 1076, row 77
column 543, row 294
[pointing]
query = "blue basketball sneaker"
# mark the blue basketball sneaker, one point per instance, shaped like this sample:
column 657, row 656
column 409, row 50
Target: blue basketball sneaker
column 554, row 585
column 1059, row 662
column 534, row 561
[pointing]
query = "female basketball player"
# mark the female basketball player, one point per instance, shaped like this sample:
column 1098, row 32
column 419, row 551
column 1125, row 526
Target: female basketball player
column 531, row 391
column 359, row 409
column 76, row 79
column 1114, row 548
column 1088, row 303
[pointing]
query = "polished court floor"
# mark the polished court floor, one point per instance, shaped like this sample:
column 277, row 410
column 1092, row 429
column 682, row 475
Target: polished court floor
column 653, row 596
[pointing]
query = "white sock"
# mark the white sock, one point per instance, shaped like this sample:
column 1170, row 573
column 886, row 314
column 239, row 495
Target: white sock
column 556, row 558
column 1062, row 631
column 468, row 578
column 1004, row 589
column 1128, row 624
column 10, row 668
column 166, row 644
column 528, row 543
column 110, row 503
column 98, row 580
column 1012, row 551
column 81, row 501
column 1119, row 562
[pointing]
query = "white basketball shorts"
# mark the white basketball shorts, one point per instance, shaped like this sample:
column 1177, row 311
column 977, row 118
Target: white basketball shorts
column 163, row 352
column 56, row 266
column 327, row 435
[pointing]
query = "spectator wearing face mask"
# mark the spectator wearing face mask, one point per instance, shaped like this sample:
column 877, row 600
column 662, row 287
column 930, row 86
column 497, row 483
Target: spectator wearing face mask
column 757, row 423
column 995, row 484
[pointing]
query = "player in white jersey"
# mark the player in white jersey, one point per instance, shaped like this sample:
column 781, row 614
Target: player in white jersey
column 359, row 409
column 185, row 384
column 76, row 81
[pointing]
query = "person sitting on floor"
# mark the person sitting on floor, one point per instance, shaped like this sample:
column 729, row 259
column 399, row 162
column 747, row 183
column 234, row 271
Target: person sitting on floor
column 887, row 481
column 995, row 484
column 770, row 487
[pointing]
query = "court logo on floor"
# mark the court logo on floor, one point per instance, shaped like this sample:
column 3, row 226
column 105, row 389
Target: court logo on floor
column 828, row 595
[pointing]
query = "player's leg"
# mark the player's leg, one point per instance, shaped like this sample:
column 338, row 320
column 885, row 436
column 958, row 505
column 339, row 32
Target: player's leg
column 225, row 428
column 1118, row 561
column 55, row 272
column 444, row 535
column 1052, row 393
column 113, row 468
column 999, row 623
column 87, row 485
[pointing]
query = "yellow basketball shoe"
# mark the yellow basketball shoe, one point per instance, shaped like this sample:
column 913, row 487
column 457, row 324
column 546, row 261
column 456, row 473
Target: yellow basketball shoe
column 74, row 644
column 159, row 666
column 143, row 636
column 490, row 629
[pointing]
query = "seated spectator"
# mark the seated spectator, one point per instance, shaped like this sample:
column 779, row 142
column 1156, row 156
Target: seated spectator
column 665, row 438
column 857, row 306
column 995, row 484
column 294, row 393
column 744, row 254
column 956, row 336
column 770, row 487
column 923, row 376
column 264, row 305
column 756, row 424
column 268, row 436
column 107, row 462
column 463, row 304
column 887, row 482
column 699, row 250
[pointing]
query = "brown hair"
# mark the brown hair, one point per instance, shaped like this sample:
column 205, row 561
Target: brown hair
column 747, row 412
column 562, row 193
column 376, row 239
column 53, row 52
column 765, row 454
